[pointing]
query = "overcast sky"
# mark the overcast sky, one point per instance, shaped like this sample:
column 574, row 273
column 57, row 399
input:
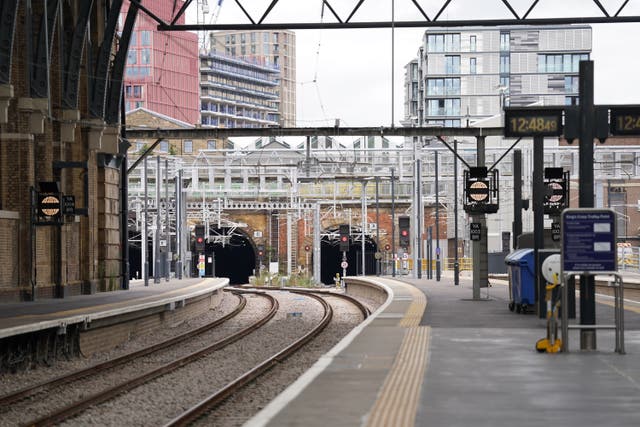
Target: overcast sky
column 346, row 74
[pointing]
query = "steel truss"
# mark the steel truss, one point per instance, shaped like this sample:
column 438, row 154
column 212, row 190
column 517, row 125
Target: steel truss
column 252, row 22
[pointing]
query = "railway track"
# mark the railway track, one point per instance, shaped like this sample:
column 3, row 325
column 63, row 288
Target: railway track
column 212, row 401
column 46, row 386
column 317, row 321
column 70, row 410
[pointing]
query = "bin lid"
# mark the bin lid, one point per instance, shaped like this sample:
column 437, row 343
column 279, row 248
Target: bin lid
column 519, row 257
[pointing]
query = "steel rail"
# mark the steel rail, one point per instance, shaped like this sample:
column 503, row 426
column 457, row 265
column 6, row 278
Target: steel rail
column 105, row 395
column 215, row 399
column 363, row 309
column 101, row 367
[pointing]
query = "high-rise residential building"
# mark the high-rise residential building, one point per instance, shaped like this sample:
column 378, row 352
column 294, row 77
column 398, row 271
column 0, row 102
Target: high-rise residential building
column 466, row 74
column 237, row 93
column 273, row 48
column 162, row 66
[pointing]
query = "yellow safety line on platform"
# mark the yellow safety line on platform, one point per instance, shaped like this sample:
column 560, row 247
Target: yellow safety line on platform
column 111, row 304
column 414, row 314
column 397, row 403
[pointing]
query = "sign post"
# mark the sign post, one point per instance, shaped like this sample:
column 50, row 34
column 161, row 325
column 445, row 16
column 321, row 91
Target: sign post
column 588, row 248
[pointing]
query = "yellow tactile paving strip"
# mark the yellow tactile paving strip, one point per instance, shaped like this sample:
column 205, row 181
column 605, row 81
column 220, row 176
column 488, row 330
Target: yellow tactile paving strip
column 397, row 402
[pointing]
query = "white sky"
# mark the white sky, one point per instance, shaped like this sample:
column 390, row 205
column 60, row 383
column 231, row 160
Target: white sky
column 352, row 68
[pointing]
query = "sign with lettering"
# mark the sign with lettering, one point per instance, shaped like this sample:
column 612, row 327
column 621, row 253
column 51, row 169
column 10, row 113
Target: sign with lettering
column 475, row 231
column 521, row 122
column 625, row 120
column 588, row 240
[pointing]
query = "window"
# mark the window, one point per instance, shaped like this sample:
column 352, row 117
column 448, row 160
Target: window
column 127, row 91
column 243, row 38
column 571, row 84
column 443, row 42
column 137, row 91
column 561, row 63
column 443, row 107
column 164, row 146
column 445, row 86
column 211, row 144
column 452, row 64
column 504, row 82
column 472, row 65
column 145, row 38
column 472, row 43
column 188, row 146
column 145, row 56
column 265, row 37
column 233, row 39
column 132, row 56
column 504, row 42
column 140, row 145
column 504, row 64
column 253, row 37
column 133, row 40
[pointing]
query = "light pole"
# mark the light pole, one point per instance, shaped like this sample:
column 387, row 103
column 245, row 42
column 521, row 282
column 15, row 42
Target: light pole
column 456, row 262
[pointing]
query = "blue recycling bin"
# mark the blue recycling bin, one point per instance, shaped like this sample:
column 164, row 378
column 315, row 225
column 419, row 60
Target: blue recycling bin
column 521, row 279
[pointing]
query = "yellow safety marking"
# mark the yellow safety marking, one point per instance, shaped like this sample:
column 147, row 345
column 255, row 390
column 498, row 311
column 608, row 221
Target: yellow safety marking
column 413, row 316
column 397, row 402
column 110, row 305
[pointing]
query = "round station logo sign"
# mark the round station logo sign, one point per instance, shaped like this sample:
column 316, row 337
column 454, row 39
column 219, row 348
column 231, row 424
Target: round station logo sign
column 49, row 205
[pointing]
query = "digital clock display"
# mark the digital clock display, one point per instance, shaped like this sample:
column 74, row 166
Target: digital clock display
column 532, row 122
column 625, row 121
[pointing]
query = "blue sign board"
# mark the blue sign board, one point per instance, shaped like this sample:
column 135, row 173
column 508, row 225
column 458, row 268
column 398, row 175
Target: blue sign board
column 588, row 240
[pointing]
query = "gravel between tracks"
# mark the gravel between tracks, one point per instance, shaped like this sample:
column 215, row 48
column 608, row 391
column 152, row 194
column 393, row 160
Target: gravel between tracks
column 158, row 402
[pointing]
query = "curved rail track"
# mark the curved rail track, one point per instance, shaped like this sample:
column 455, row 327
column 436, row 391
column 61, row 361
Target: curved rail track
column 112, row 392
column 215, row 399
column 113, row 363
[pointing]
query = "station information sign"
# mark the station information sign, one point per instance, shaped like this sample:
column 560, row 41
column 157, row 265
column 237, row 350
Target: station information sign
column 588, row 240
column 625, row 120
column 520, row 122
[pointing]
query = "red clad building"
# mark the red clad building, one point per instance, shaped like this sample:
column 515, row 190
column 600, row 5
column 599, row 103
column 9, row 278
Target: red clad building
column 162, row 73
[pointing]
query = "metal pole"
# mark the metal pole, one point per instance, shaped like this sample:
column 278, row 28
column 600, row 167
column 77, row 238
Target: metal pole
column 538, row 219
column 156, row 234
column 517, row 196
column 316, row 243
column 419, row 215
column 456, row 260
column 145, row 229
column 378, row 251
column 364, row 223
column 437, row 221
column 123, row 146
column 393, row 224
column 585, row 150
column 179, row 225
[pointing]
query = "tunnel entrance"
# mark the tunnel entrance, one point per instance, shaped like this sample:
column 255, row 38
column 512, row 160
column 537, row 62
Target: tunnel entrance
column 331, row 257
column 227, row 254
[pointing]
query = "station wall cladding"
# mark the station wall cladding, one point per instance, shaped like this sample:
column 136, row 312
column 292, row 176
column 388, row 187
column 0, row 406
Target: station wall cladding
column 59, row 127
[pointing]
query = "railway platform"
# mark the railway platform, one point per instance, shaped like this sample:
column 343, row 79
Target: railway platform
column 101, row 321
column 433, row 356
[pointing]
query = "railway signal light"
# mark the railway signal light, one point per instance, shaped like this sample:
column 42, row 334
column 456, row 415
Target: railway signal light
column 260, row 251
column 556, row 197
column 200, row 245
column 344, row 237
column 404, row 225
column 481, row 190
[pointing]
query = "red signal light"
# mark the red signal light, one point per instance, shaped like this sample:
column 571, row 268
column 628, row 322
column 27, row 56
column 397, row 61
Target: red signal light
column 200, row 240
column 404, row 232
column 344, row 238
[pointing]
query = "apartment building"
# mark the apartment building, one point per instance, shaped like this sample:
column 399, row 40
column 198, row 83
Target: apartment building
column 463, row 75
column 161, row 73
column 271, row 48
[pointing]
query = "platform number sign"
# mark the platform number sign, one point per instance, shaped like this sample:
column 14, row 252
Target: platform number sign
column 475, row 231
